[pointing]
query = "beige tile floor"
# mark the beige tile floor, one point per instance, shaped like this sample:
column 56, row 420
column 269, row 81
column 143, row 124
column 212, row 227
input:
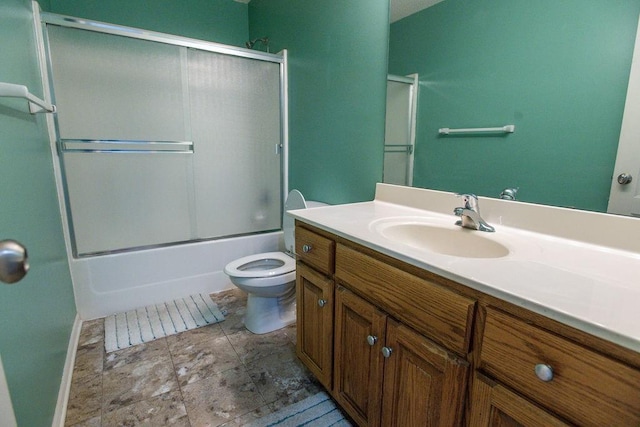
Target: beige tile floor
column 212, row 376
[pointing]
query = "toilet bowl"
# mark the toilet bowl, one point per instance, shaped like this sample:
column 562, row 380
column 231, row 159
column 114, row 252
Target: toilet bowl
column 269, row 278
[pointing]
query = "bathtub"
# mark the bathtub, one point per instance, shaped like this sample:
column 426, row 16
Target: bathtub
column 108, row 284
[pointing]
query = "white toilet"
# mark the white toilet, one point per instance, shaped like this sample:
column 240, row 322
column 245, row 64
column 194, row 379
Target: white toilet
column 269, row 278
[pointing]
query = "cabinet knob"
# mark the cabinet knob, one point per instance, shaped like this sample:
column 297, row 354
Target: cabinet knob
column 322, row 302
column 306, row 248
column 371, row 339
column 386, row 351
column 544, row 372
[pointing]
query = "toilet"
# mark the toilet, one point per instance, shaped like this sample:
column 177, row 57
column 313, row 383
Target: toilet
column 269, row 278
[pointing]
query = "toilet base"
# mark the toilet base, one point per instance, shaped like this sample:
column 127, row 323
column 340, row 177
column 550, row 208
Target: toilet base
column 268, row 314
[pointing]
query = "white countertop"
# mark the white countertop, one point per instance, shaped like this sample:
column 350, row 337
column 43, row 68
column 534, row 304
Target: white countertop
column 581, row 278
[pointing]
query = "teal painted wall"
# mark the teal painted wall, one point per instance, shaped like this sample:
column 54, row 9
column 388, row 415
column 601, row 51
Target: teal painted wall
column 37, row 313
column 222, row 21
column 337, row 89
column 558, row 70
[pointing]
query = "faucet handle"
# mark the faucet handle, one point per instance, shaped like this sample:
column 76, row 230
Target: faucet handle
column 470, row 200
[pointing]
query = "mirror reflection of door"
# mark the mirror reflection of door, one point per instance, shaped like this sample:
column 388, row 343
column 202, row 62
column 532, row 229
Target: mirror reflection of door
column 400, row 129
column 624, row 197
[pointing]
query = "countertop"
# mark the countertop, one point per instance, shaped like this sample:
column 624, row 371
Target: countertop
column 583, row 280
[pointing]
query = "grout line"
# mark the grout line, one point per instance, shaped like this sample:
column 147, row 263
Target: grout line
column 175, row 374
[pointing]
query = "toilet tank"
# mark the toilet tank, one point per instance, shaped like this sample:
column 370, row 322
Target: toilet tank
column 295, row 200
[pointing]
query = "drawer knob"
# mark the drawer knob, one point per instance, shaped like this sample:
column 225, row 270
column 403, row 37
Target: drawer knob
column 544, row 372
column 371, row 339
column 386, row 351
column 306, row 248
column 322, row 302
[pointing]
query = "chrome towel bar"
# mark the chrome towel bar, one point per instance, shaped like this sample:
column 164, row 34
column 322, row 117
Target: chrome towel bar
column 502, row 129
column 36, row 105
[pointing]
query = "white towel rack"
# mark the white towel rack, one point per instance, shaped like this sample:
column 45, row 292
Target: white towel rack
column 36, row 105
column 502, row 129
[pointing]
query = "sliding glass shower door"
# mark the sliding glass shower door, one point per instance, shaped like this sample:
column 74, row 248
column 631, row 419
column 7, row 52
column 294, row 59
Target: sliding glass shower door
column 235, row 122
column 163, row 143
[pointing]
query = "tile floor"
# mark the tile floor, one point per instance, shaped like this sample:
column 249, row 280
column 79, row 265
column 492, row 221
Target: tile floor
column 218, row 375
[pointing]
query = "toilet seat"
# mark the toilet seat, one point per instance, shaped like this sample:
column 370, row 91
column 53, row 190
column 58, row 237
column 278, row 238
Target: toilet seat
column 267, row 264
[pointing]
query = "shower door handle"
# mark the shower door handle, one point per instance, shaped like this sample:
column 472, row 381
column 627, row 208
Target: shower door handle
column 14, row 261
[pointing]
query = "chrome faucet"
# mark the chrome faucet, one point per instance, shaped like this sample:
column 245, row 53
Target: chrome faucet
column 470, row 214
column 509, row 193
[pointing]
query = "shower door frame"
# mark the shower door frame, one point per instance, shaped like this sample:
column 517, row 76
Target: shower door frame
column 412, row 80
column 119, row 30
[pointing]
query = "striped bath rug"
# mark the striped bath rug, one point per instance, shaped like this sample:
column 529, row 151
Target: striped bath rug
column 146, row 324
column 315, row 411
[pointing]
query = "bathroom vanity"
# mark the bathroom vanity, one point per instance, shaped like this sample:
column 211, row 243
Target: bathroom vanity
column 407, row 319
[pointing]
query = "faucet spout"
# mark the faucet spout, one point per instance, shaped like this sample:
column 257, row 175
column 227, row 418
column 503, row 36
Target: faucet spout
column 470, row 214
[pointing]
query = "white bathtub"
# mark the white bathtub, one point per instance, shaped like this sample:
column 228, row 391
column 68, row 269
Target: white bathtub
column 109, row 284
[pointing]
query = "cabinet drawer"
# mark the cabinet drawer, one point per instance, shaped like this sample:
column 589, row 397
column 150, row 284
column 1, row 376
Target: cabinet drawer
column 586, row 388
column 433, row 310
column 315, row 250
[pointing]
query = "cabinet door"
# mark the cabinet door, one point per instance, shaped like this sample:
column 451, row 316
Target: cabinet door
column 424, row 385
column 493, row 404
column 314, row 293
column 358, row 361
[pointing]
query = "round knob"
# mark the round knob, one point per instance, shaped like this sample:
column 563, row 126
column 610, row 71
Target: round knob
column 14, row 261
column 624, row 178
column 322, row 302
column 544, row 372
column 372, row 339
column 306, row 248
column 386, row 351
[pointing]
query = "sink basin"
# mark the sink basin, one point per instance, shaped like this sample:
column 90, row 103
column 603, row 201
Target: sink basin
column 447, row 240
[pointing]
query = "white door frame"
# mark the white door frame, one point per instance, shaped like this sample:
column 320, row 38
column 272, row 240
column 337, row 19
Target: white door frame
column 7, row 416
column 625, row 198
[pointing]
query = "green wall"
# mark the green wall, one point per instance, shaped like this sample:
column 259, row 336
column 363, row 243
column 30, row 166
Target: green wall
column 222, row 21
column 558, row 70
column 337, row 89
column 37, row 313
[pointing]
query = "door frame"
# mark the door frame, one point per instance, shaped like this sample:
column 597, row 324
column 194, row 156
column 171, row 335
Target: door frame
column 625, row 199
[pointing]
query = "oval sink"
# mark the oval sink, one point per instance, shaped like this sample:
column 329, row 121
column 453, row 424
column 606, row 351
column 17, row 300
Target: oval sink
column 454, row 241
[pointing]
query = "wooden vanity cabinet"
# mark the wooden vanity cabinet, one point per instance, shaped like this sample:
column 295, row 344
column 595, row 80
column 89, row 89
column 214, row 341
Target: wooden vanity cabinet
column 424, row 384
column 579, row 384
column 387, row 374
column 314, row 309
column 452, row 355
column 314, row 303
column 360, row 330
column 495, row 405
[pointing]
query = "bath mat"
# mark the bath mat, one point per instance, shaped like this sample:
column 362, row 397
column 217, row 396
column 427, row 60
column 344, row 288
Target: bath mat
column 146, row 324
column 315, row 411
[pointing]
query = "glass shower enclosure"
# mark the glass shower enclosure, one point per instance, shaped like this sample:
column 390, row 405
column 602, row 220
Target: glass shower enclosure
column 162, row 139
column 400, row 128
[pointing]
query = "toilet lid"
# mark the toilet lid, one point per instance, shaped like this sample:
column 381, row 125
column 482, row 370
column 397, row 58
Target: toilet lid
column 295, row 200
column 266, row 264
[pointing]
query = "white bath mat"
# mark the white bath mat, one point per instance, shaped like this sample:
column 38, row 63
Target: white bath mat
column 146, row 324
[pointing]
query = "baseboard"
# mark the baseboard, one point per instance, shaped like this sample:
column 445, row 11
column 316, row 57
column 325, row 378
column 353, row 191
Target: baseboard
column 65, row 384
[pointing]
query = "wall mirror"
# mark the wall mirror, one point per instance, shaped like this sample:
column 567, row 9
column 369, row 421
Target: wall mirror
column 557, row 71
